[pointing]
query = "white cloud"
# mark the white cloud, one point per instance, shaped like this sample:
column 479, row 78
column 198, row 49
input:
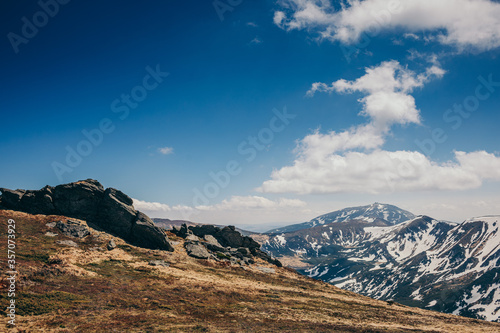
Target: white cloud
column 387, row 102
column 353, row 161
column 383, row 171
column 253, row 202
column 238, row 203
column 245, row 211
column 166, row 150
column 411, row 36
column 252, row 24
column 461, row 23
column 278, row 17
column 387, row 87
column 159, row 207
column 256, row 40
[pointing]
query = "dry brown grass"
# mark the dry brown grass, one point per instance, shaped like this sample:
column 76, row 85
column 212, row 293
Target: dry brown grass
column 67, row 289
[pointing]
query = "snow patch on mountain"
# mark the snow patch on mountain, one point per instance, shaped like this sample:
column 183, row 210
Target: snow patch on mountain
column 438, row 265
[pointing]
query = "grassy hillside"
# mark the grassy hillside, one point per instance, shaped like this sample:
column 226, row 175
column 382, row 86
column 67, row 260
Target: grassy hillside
column 90, row 289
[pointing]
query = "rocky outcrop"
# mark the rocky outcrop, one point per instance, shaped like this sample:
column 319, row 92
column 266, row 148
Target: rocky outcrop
column 226, row 243
column 108, row 209
column 144, row 233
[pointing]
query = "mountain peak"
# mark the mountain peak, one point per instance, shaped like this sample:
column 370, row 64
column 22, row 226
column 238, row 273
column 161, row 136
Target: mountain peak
column 389, row 214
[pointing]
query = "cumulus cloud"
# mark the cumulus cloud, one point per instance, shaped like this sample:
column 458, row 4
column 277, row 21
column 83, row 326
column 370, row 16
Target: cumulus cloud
column 384, row 171
column 353, row 160
column 234, row 203
column 253, row 202
column 464, row 24
column 249, row 212
column 166, row 150
column 278, row 18
column 387, row 102
column 387, row 89
column 159, row 207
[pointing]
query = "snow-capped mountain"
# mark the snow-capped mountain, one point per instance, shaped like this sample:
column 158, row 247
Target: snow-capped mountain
column 443, row 266
column 390, row 214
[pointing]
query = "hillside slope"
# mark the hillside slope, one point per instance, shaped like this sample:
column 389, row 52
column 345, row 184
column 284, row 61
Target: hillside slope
column 75, row 284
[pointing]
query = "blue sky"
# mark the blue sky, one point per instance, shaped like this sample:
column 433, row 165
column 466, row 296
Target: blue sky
column 228, row 79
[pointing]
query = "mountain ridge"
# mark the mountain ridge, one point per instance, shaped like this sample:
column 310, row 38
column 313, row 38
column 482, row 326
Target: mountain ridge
column 420, row 262
column 389, row 213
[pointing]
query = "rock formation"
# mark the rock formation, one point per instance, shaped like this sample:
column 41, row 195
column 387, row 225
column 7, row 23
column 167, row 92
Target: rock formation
column 209, row 241
column 108, row 209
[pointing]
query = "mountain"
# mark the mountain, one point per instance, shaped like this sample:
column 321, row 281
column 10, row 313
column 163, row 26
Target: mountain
column 443, row 266
column 69, row 274
column 74, row 278
column 382, row 212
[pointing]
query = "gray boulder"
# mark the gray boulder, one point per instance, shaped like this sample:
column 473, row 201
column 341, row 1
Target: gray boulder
column 111, row 245
column 67, row 242
column 116, row 212
column 79, row 200
column 212, row 244
column 73, row 228
column 202, row 230
column 144, row 233
column 196, row 250
column 215, row 248
column 244, row 251
column 11, row 199
column 192, row 238
column 182, row 231
column 228, row 236
column 39, row 202
column 211, row 240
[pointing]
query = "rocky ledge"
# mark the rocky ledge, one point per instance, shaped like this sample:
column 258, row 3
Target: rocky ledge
column 109, row 209
column 221, row 244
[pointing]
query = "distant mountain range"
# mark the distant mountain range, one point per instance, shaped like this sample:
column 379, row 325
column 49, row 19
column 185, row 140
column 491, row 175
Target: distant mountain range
column 387, row 214
column 387, row 253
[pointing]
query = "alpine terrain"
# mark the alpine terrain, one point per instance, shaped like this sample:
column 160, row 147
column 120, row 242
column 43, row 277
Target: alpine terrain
column 423, row 262
column 87, row 261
